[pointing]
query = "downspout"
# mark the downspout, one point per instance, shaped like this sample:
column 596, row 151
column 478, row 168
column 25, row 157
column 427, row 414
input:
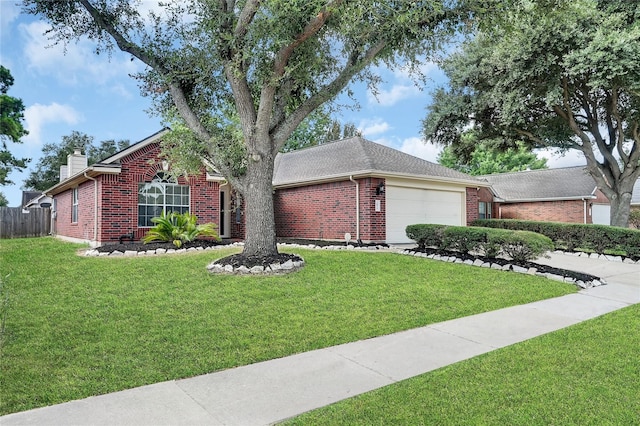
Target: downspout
column 584, row 202
column 95, row 207
column 357, row 208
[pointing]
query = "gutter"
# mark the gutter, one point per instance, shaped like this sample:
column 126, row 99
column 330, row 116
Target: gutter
column 379, row 173
column 357, row 208
column 533, row 200
column 95, row 207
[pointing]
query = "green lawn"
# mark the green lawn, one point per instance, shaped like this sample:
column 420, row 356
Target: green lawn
column 80, row 326
column 588, row 374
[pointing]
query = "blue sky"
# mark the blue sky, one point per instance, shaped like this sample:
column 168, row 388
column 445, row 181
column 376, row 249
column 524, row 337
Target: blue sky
column 79, row 90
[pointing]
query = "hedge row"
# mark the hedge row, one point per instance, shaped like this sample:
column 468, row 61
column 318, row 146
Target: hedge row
column 521, row 246
column 572, row 236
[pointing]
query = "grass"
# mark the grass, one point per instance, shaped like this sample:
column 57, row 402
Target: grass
column 582, row 375
column 80, row 326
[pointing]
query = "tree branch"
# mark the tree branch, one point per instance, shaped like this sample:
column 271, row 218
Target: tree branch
column 311, row 29
column 353, row 66
column 618, row 135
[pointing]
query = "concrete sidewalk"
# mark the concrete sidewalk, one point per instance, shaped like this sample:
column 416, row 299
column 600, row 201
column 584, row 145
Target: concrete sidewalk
column 271, row 391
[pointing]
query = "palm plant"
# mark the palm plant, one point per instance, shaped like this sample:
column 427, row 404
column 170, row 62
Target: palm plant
column 179, row 228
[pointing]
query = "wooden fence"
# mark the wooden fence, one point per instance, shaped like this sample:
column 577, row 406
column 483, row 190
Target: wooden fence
column 17, row 223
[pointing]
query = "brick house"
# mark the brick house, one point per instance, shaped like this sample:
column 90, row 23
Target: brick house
column 555, row 195
column 350, row 186
column 368, row 190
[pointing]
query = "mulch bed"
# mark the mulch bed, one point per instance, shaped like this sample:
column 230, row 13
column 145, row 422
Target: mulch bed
column 237, row 260
column 579, row 276
column 139, row 246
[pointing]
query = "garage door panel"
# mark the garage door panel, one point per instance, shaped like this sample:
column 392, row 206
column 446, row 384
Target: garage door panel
column 407, row 206
column 601, row 214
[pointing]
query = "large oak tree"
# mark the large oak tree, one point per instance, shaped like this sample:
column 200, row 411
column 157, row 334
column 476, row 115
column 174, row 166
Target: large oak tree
column 554, row 73
column 241, row 75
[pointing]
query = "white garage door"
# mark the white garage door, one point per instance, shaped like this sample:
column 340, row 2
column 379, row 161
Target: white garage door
column 601, row 214
column 408, row 206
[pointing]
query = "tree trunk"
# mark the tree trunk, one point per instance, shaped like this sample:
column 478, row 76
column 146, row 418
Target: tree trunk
column 260, row 238
column 620, row 209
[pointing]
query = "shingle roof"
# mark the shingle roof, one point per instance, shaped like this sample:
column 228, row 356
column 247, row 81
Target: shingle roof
column 356, row 156
column 544, row 184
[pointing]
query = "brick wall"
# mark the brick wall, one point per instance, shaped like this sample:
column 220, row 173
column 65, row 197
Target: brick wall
column 327, row 211
column 472, row 198
column 568, row 211
column 84, row 227
column 571, row 211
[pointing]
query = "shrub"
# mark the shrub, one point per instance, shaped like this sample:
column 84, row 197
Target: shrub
column 427, row 235
column 464, row 239
column 572, row 236
column 521, row 246
column 179, row 228
column 518, row 245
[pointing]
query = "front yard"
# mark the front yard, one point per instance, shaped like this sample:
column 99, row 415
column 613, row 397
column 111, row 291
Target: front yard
column 587, row 374
column 78, row 326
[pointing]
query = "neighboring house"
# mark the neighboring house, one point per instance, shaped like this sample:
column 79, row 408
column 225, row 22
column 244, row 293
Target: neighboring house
column 38, row 201
column 556, row 195
column 352, row 186
column 28, row 198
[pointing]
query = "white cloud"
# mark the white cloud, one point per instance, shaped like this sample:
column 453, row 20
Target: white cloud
column 556, row 160
column 394, row 95
column 9, row 11
column 371, row 127
column 418, row 148
column 37, row 116
column 77, row 64
column 400, row 82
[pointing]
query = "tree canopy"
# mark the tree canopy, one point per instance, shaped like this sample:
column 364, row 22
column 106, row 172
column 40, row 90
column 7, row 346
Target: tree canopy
column 11, row 128
column 482, row 158
column 553, row 74
column 46, row 172
column 241, row 75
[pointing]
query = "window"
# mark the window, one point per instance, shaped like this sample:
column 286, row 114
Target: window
column 74, row 205
column 161, row 194
column 484, row 210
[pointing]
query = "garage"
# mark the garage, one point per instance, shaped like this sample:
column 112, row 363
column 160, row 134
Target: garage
column 408, row 206
column 601, row 214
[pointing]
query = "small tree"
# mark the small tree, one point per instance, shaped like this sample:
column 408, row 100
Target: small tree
column 487, row 157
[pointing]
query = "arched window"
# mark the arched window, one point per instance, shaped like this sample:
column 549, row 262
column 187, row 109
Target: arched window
column 161, row 194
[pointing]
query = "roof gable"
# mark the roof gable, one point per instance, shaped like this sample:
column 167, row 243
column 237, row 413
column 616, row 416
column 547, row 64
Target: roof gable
column 356, row 156
column 115, row 158
column 543, row 184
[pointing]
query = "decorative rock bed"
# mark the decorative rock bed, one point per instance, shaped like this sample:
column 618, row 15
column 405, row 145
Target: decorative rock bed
column 271, row 266
column 581, row 280
column 123, row 251
column 280, row 265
